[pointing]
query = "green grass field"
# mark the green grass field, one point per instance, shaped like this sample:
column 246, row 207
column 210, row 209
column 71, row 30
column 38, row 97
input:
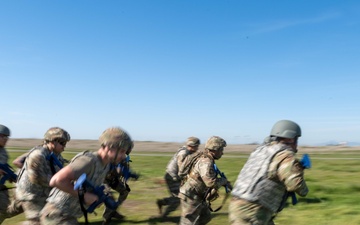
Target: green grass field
column 333, row 198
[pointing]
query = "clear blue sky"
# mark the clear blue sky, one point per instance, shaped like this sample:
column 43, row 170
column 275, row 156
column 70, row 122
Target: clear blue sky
column 166, row 70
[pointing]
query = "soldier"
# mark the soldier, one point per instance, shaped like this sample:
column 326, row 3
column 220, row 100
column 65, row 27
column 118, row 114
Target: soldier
column 270, row 172
column 4, row 194
column 117, row 179
column 32, row 187
column 172, row 178
column 63, row 205
column 201, row 184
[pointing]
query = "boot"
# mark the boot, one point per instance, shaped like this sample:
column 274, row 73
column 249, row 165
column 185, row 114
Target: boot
column 159, row 204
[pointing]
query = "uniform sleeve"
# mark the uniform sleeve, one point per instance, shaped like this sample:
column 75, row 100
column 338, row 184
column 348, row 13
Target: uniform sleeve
column 290, row 172
column 37, row 169
column 82, row 164
column 208, row 174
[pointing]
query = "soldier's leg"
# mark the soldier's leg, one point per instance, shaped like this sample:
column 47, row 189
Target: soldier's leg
column 50, row 215
column 173, row 201
column 190, row 211
column 32, row 210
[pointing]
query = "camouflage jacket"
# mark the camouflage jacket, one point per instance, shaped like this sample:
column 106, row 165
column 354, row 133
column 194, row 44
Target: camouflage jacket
column 34, row 176
column 4, row 157
column 268, row 174
column 172, row 167
column 201, row 178
column 69, row 205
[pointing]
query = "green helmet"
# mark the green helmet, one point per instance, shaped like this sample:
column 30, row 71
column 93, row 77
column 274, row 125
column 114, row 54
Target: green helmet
column 4, row 130
column 285, row 129
column 117, row 138
column 55, row 133
column 215, row 143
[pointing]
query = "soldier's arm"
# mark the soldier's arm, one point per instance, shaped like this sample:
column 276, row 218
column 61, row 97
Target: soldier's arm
column 291, row 173
column 64, row 179
column 209, row 175
column 19, row 161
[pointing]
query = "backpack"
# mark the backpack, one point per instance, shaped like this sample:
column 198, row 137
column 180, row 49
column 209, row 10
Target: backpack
column 188, row 163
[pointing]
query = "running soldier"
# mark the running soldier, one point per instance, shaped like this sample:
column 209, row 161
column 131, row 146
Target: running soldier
column 172, row 178
column 202, row 184
column 270, row 172
column 63, row 206
column 4, row 194
column 117, row 179
column 32, row 187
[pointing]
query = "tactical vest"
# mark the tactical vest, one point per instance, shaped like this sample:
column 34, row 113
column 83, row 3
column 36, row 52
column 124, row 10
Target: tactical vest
column 27, row 190
column 172, row 167
column 70, row 205
column 253, row 183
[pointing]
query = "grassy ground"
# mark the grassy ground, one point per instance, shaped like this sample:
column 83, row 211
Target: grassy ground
column 333, row 199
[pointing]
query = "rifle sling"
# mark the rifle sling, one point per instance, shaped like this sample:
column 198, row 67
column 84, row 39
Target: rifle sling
column 81, row 193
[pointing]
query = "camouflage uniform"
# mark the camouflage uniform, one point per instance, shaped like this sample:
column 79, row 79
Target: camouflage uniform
column 173, row 181
column 33, row 182
column 262, row 185
column 4, row 194
column 193, row 192
column 61, row 207
column 117, row 181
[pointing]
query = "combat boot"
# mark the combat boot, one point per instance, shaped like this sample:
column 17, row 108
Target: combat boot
column 159, row 204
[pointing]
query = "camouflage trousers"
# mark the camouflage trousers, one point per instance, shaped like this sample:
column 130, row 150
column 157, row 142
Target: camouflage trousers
column 8, row 208
column 173, row 201
column 51, row 215
column 242, row 212
column 123, row 190
column 194, row 211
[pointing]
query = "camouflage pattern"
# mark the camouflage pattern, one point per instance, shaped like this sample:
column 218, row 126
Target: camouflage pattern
column 66, row 205
column 9, row 209
column 4, row 130
column 193, row 141
column 192, row 193
column 247, row 213
column 55, row 133
column 33, row 181
column 215, row 143
column 117, row 138
column 282, row 172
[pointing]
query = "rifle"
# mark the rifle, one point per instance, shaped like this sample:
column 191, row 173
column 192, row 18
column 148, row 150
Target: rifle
column 306, row 164
column 82, row 184
column 126, row 171
column 9, row 173
column 53, row 158
column 227, row 188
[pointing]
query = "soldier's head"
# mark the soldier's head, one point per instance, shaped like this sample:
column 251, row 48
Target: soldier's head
column 4, row 135
column 286, row 131
column 56, row 138
column 117, row 142
column 215, row 145
column 192, row 144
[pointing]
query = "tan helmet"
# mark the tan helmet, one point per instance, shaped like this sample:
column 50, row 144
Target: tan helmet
column 115, row 137
column 193, row 141
column 55, row 133
column 215, row 143
column 4, row 130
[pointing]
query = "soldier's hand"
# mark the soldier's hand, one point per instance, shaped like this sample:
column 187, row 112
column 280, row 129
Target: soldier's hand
column 229, row 186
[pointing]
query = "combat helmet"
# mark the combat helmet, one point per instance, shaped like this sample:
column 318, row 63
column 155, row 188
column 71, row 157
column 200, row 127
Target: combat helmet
column 215, row 143
column 115, row 137
column 193, row 141
column 285, row 129
column 56, row 133
column 4, row 130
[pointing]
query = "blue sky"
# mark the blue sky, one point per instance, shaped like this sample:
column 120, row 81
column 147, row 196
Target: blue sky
column 166, row 70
